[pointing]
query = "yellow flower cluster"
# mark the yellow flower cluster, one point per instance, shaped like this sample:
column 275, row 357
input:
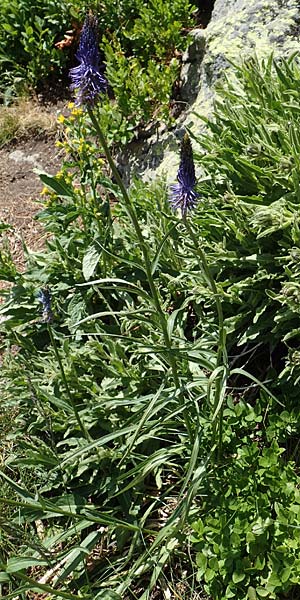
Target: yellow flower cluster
column 68, row 177
column 83, row 146
column 76, row 134
column 48, row 196
column 77, row 112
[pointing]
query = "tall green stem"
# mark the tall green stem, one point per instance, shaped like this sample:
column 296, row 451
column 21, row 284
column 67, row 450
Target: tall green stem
column 222, row 359
column 132, row 215
column 63, row 375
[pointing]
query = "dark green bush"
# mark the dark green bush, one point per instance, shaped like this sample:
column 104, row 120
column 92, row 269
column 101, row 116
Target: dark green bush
column 28, row 31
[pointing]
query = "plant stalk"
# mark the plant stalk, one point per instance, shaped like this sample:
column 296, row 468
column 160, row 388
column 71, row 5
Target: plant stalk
column 63, row 375
column 222, row 358
column 133, row 217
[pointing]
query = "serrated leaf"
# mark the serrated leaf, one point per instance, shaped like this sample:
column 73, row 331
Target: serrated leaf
column 260, row 562
column 76, row 308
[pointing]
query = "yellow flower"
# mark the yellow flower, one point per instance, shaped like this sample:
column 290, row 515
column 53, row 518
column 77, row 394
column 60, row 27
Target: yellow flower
column 61, row 119
column 44, row 191
column 71, row 105
column 76, row 112
column 68, row 177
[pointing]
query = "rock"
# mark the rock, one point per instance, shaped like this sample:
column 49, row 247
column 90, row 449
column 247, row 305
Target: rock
column 191, row 66
column 21, row 157
column 237, row 29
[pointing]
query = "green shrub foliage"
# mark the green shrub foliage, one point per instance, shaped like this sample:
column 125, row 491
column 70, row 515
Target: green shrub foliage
column 138, row 41
column 28, row 31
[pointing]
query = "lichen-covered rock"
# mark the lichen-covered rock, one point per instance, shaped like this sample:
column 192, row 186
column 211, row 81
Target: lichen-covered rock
column 237, row 29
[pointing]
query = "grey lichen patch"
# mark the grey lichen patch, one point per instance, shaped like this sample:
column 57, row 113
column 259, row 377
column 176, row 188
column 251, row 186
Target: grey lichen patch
column 252, row 25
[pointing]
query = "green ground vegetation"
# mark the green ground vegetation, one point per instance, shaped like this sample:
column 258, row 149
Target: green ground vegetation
column 150, row 439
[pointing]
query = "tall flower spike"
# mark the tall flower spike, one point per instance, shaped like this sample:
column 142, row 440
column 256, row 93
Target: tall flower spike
column 183, row 195
column 86, row 78
column 44, row 297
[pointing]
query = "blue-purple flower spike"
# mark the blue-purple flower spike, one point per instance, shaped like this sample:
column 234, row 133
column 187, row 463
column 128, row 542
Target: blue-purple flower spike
column 44, row 297
column 86, row 78
column 183, row 195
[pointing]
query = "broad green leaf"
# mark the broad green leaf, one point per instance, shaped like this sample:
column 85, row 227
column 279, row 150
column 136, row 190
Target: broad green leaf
column 251, row 594
column 90, row 261
column 237, row 577
column 201, row 561
column 57, row 185
column 209, row 575
column 262, row 592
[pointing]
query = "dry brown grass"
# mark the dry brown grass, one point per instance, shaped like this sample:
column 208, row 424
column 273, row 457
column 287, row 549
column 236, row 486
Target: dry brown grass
column 24, row 119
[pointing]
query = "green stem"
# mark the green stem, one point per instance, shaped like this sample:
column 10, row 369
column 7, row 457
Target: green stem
column 222, row 359
column 63, row 375
column 104, row 225
column 132, row 215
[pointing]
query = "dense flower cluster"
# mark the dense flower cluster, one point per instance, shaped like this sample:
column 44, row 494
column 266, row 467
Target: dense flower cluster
column 86, row 77
column 183, row 195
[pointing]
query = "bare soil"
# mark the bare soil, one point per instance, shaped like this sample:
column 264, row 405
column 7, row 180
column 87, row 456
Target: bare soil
column 20, row 189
